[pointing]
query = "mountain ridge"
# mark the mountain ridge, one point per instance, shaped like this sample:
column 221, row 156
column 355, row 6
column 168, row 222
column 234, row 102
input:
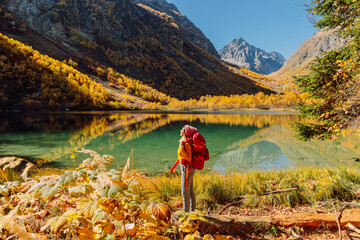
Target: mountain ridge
column 137, row 40
column 299, row 62
column 171, row 10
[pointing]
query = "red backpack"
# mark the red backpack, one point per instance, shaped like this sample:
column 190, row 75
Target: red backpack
column 200, row 153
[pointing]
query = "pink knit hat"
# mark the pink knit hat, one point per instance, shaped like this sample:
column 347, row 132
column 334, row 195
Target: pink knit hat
column 189, row 130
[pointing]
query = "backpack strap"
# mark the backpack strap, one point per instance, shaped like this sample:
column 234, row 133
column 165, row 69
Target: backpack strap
column 188, row 140
column 175, row 165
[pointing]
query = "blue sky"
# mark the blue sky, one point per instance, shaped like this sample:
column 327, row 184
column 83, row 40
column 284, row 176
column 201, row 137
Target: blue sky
column 272, row 25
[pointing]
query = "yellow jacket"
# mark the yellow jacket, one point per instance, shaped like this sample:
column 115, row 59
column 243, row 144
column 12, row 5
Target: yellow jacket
column 184, row 153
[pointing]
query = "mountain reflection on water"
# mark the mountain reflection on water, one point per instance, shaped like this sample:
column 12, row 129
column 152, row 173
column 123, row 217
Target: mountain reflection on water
column 262, row 155
column 236, row 141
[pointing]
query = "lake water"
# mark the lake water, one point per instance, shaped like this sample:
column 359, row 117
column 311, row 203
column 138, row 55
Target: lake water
column 236, row 141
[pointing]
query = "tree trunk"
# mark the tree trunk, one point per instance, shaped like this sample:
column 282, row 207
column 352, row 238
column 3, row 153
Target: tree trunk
column 307, row 220
column 235, row 224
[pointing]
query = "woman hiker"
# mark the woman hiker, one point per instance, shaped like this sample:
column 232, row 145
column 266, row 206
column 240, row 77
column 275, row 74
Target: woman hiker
column 187, row 172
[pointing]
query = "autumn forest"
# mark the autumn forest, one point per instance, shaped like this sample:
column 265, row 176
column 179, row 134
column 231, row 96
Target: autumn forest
column 78, row 78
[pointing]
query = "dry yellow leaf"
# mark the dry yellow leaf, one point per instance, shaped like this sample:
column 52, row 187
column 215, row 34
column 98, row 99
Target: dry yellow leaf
column 160, row 211
column 195, row 235
column 143, row 214
column 189, row 227
column 120, row 230
column 108, row 228
column 107, row 204
column 119, row 183
column 85, row 234
column 119, row 216
column 131, row 229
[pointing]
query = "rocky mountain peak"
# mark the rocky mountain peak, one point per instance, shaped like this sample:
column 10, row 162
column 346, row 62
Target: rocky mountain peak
column 239, row 41
column 245, row 55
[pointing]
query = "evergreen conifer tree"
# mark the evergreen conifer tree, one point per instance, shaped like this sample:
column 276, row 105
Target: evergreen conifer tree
column 334, row 79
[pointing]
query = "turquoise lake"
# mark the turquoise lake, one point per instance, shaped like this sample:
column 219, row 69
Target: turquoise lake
column 237, row 141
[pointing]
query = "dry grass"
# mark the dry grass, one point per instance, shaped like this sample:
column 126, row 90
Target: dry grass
column 313, row 185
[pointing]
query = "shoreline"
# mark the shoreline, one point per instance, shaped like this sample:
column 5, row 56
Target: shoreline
column 282, row 111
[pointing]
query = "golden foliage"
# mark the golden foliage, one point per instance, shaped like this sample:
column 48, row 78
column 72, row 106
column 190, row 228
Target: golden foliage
column 45, row 82
column 133, row 87
column 254, row 74
column 86, row 204
column 31, row 79
column 287, row 100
